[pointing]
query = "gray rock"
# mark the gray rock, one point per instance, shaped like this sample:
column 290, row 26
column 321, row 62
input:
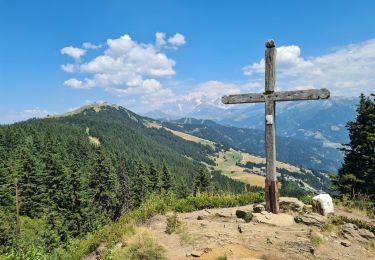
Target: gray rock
column 258, row 208
column 366, row 234
column 345, row 243
column 311, row 219
column 351, row 231
column 291, row 204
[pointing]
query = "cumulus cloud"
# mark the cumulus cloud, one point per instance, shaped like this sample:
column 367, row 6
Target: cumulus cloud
column 177, row 39
column 75, row 53
column 133, row 71
column 79, row 84
column 125, row 66
column 346, row 71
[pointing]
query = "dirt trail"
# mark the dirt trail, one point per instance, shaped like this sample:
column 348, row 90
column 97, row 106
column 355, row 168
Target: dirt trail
column 220, row 233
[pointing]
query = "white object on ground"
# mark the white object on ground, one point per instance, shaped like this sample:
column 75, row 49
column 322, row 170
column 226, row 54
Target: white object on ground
column 325, row 203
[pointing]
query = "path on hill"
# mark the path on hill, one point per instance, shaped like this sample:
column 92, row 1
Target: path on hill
column 220, row 233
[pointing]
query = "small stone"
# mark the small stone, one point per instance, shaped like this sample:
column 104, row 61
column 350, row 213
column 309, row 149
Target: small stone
column 311, row 219
column 333, row 234
column 346, row 243
column 188, row 254
column 241, row 213
column 291, row 204
column 258, row 208
column 269, row 240
column 196, row 253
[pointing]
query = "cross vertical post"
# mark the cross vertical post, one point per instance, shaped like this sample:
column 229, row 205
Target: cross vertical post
column 271, row 189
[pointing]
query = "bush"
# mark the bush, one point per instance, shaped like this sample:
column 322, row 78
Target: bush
column 144, row 247
column 172, row 223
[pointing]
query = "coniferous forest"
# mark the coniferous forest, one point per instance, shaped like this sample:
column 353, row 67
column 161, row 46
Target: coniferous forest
column 70, row 185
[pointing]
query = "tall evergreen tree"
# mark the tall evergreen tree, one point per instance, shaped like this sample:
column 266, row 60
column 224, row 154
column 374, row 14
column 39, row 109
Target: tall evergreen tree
column 357, row 175
column 202, row 180
column 155, row 178
column 125, row 190
column 140, row 184
column 104, row 185
column 168, row 182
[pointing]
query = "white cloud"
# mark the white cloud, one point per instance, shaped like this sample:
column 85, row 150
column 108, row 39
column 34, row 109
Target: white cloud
column 75, row 53
column 89, row 45
column 346, row 71
column 69, row 67
column 127, row 68
column 160, row 39
column 177, row 39
column 78, row 84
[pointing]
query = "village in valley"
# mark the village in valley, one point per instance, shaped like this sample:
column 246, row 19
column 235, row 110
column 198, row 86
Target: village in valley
column 187, row 130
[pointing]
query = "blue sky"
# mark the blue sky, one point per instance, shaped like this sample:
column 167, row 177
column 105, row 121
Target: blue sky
column 206, row 49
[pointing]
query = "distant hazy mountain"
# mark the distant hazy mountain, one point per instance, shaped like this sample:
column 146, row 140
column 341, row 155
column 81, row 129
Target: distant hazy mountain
column 321, row 121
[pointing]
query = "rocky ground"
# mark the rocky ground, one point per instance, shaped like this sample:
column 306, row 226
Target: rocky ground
column 213, row 233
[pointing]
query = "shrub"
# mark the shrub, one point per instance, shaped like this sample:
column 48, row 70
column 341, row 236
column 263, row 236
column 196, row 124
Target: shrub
column 144, row 248
column 172, row 223
column 315, row 240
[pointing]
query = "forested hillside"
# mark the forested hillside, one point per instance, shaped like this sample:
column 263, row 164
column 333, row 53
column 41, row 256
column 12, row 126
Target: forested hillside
column 290, row 150
column 79, row 171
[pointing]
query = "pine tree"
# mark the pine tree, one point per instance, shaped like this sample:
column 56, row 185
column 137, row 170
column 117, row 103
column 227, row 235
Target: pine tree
column 202, row 180
column 168, row 183
column 104, row 185
column 140, row 184
column 154, row 176
column 357, row 175
column 125, row 191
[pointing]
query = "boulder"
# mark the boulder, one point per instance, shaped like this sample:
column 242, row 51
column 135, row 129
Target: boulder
column 258, row 208
column 291, row 204
column 366, row 233
column 323, row 204
column 351, row 231
column 311, row 219
column 281, row 219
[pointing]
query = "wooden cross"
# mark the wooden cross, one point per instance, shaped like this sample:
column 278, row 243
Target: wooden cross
column 269, row 97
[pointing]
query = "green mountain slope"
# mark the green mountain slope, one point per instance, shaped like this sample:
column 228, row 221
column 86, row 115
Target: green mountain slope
column 290, row 150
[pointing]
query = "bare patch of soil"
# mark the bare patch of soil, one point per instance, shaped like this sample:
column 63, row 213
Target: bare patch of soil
column 218, row 232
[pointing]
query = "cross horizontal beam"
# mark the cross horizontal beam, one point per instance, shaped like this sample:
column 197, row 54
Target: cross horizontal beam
column 309, row 94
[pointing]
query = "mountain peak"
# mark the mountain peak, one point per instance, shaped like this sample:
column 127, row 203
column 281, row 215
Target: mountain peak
column 96, row 106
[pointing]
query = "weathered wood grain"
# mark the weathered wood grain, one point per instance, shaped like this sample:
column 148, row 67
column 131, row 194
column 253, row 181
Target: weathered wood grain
column 270, row 142
column 270, row 66
column 243, row 98
column 309, row 94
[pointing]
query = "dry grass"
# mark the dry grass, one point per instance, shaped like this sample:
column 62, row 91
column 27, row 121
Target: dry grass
column 256, row 159
column 152, row 124
column 192, row 138
column 252, row 179
column 94, row 140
